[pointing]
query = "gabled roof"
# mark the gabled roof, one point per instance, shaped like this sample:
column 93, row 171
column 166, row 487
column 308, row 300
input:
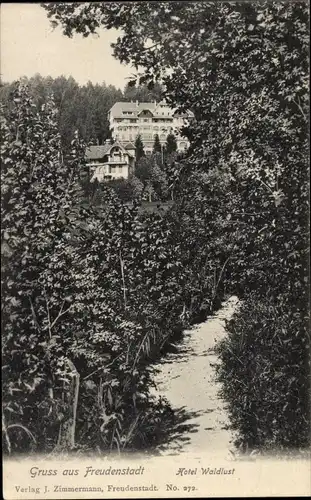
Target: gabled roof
column 118, row 107
column 158, row 109
column 97, row 152
column 129, row 145
column 144, row 110
column 146, row 105
column 118, row 144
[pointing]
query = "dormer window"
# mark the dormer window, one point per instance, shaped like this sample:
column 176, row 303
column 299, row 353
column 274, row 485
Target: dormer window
column 146, row 112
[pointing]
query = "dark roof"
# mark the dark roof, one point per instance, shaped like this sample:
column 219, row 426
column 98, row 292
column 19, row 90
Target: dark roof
column 97, row 152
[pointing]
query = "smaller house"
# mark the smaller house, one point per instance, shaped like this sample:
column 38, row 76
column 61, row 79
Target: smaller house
column 110, row 161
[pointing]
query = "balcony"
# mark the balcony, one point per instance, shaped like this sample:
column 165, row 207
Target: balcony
column 117, row 162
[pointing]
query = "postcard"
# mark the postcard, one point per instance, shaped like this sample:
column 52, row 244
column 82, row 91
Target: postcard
column 154, row 248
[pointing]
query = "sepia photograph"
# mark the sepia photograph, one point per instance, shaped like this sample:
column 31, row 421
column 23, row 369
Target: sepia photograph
column 155, row 294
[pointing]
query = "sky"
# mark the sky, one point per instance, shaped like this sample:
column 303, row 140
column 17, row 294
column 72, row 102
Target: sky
column 29, row 45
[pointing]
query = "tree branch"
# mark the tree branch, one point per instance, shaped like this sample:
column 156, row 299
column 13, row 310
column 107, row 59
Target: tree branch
column 60, row 314
column 5, row 431
column 34, row 314
column 75, row 401
column 102, row 367
column 301, row 110
column 48, row 312
column 123, row 280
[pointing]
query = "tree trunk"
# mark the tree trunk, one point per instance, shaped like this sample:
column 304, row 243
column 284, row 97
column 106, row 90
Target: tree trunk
column 66, row 437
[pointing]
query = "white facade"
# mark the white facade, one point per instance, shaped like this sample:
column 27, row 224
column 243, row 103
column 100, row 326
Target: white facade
column 129, row 119
column 109, row 172
column 110, row 161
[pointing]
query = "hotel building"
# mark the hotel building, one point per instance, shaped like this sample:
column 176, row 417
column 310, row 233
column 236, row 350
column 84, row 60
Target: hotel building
column 129, row 119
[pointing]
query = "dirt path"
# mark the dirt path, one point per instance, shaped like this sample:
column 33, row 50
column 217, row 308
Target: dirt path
column 187, row 380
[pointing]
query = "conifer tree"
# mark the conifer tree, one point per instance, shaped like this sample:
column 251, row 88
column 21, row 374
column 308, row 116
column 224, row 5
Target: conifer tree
column 157, row 144
column 171, row 144
column 139, row 148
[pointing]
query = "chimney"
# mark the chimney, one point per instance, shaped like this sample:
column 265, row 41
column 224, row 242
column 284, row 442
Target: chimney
column 137, row 103
column 108, row 141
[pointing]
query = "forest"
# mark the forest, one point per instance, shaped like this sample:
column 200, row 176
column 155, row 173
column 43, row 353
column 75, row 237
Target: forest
column 91, row 297
column 84, row 109
column 81, row 108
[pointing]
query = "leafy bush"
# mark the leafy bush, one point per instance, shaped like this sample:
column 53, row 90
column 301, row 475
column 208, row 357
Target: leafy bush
column 71, row 341
column 265, row 370
column 127, row 189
